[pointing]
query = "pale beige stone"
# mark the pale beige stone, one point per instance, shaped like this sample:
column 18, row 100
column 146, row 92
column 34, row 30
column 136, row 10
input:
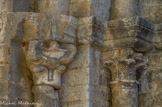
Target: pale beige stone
column 108, row 56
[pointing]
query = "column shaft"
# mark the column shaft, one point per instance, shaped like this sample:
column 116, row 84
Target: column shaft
column 124, row 9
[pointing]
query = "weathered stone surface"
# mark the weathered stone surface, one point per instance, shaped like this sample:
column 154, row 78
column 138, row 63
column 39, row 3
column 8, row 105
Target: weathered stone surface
column 61, row 28
column 73, row 91
column 45, row 96
column 86, row 8
column 91, row 31
column 4, row 69
column 91, row 85
column 124, row 95
column 129, row 32
column 48, row 61
column 157, row 39
column 5, row 53
column 150, row 93
column 52, row 6
column 51, row 52
column 23, row 5
column 125, row 37
column 76, row 104
column 6, row 5
column 4, row 89
column 19, row 41
column 155, row 60
column 12, row 22
column 55, row 60
column 15, row 61
column 124, row 66
column 77, row 93
column 124, row 9
column 151, row 10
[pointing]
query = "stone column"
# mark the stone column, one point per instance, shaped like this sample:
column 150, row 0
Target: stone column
column 124, row 9
column 91, row 35
column 86, row 8
column 126, row 42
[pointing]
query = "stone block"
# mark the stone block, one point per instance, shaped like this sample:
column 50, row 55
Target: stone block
column 82, row 76
column 148, row 100
column 66, row 24
column 6, row 5
column 3, row 21
column 157, row 38
column 18, row 91
column 46, row 96
column 74, row 94
column 5, row 53
column 132, row 32
column 155, row 60
column 67, row 39
column 98, row 74
column 150, row 88
column 3, row 99
column 23, row 5
column 4, row 69
column 71, row 30
column 4, row 89
column 81, row 59
column 83, row 5
column 56, row 27
column 151, row 10
column 13, row 23
column 158, row 27
column 30, row 26
column 15, row 91
column 99, row 95
column 91, row 31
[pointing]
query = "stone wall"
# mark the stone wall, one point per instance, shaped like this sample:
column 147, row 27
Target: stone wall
column 150, row 92
column 81, row 53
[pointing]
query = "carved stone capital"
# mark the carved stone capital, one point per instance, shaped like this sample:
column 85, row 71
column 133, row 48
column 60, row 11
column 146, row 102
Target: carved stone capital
column 50, row 47
column 47, row 60
column 123, row 68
